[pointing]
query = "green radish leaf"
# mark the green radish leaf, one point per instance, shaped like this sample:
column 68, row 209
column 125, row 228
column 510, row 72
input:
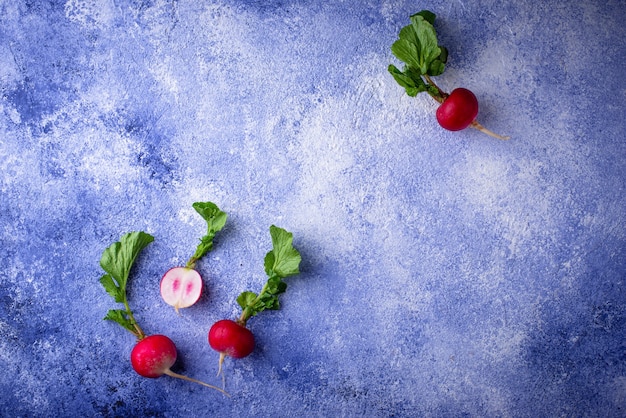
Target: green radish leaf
column 413, row 84
column 117, row 261
column 119, row 316
column 439, row 64
column 284, row 259
column 418, row 48
column 269, row 302
column 443, row 57
column 119, row 257
column 246, row 298
column 215, row 219
column 270, row 260
column 407, row 33
column 428, row 42
column 275, row 286
column 407, row 52
column 402, row 79
column 111, row 288
column 427, row 15
column 436, row 68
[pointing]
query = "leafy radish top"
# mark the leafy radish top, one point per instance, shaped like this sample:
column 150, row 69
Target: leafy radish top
column 281, row 262
column 117, row 261
column 215, row 219
column 418, row 48
column 232, row 338
column 153, row 355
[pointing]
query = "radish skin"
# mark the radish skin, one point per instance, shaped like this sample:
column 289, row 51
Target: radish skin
column 153, row 356
column 458, row 110
column 231, row 339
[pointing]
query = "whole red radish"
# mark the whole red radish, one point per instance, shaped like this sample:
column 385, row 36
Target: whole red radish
column 232, row 338
column 153, row 356
column 417, row 46
column 458, row 110
column 181, row 287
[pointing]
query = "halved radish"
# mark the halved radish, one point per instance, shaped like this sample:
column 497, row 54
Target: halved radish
column 181, row 287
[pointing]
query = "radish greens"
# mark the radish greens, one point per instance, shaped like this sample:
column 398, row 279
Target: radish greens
column 117, row 261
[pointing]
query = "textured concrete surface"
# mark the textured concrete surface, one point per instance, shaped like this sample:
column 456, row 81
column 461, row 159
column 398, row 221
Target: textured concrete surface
column 444, row 274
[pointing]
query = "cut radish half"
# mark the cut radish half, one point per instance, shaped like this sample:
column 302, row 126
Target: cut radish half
column 181, row 287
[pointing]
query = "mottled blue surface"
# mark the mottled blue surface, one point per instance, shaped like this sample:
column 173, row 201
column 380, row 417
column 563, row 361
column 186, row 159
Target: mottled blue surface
column 444, row 274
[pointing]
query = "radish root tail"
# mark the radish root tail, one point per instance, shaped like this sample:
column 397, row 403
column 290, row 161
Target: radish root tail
column 484, row 130
column 221, row 362
column 189, row 379
column 220, row 371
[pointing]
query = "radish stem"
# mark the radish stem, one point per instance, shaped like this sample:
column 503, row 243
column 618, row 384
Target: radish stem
column 138, row 331
column 247, row 312
column 442, row 95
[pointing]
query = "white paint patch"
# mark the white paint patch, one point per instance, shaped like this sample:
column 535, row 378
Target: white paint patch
column 10, row 73
column 162, row 72
column 95, row 14
column 485, row 181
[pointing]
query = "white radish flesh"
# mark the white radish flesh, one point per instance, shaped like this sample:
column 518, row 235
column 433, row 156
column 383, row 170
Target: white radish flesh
column 181, row 287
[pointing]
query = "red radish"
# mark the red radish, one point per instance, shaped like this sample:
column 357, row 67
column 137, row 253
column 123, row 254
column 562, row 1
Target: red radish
column 231, row 339
column 153, row 356
column 458, row 110
column 181, row 287
column 417, row 46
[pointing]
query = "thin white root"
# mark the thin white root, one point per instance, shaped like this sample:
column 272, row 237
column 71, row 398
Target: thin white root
column 189, row 379
column 484, row 130
column 219, row 369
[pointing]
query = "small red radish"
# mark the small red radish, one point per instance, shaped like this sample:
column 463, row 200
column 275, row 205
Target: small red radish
column 458, row 110
column 153, row 356
column 417, row 46
column 232, row 339
column 181, row 287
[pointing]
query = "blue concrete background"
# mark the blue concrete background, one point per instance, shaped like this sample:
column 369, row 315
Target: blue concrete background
column 444, row 274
